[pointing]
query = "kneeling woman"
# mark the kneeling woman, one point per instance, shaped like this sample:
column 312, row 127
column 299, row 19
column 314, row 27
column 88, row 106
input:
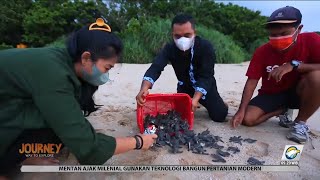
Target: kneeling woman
column 44, row 92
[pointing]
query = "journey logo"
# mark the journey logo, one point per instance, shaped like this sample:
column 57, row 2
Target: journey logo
column 40, row 149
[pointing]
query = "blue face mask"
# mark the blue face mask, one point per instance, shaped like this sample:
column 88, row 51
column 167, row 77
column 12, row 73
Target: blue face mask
column 97, row 78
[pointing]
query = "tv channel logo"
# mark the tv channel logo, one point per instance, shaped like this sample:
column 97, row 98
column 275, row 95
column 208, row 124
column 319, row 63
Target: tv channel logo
column 292, row 153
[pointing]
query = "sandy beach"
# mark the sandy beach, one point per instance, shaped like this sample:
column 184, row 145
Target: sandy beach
column 118, row 118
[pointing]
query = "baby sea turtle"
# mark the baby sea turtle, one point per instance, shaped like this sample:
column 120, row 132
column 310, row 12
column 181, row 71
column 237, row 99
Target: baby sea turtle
column 216, row 146
column 205, row 138
column 181, row 138
column 175, row 146
column 196, row 139
column 236, row 139
column 218, row 158
column 174, row 131
column 168, row 143
column 209, row 144
column 161, row 134
column 218, row 138
column 160, row 143
column 254, row 161
column 233, row 149
column 176, row 128
column 206, row 132
column 167, row 137
column 222, row 153
column 189, row 133
column 199, row 150
column 248, row 140
column 184, row 125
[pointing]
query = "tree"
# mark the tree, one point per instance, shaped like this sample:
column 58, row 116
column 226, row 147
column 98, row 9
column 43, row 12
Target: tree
column 48, row 20
column 243, row 25
column 44, row 21
column 121, row 11
column 11, row 17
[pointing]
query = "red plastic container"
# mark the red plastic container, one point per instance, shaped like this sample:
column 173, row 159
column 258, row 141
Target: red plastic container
column 161, row 103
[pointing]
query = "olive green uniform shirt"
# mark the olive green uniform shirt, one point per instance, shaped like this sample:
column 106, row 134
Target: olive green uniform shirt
column 39, row 89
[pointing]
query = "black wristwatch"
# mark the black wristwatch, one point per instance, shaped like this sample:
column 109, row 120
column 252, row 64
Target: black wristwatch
column 139, row 144
column 295, row 64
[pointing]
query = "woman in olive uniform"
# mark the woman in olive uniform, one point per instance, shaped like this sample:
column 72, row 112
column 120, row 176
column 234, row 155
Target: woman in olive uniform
column 44, row 92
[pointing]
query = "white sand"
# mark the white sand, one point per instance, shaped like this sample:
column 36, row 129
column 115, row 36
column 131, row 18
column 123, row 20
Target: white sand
column 118, row 118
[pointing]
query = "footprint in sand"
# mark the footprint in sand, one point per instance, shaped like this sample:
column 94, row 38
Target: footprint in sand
column 112, row 109
column 183, row 162
column 124, row 122
column 258, row 150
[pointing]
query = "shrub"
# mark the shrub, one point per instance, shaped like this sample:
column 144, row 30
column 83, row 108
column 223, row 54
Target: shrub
column 155, row 34
column 135, row 51
column 60, row 42
column 144, row 40
column 227, row 51
column 257, row 43
column 5, row 46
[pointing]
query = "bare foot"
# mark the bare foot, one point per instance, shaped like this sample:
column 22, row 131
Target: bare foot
column 40, row 161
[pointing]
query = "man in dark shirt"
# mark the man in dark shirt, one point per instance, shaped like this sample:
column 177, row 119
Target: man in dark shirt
column 193, row 60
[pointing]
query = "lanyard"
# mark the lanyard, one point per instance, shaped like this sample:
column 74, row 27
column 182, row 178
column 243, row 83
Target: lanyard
column 191, row 67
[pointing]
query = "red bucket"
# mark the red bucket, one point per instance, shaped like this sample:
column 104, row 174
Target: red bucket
column 161, row 103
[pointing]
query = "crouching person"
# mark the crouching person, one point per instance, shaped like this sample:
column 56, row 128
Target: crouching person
column 44, row 91
column 289, row 65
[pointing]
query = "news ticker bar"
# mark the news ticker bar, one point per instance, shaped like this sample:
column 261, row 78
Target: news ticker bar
column 156, row 168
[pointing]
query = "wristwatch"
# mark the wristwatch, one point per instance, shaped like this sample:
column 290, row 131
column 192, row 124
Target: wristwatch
column 295, row 64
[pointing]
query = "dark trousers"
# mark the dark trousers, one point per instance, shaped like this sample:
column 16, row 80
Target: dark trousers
column 10, row 162
column 213, row 102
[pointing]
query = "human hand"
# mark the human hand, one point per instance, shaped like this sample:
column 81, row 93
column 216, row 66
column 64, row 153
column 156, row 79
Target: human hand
column 194, row 105
column 141, row 97
column 237, row 118
column 279, row 72
column 148, row 140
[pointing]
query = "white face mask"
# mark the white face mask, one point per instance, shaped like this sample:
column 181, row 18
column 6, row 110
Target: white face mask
column 184, row 43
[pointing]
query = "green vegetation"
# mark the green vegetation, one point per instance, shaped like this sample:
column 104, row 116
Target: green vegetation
column 257, row 43
column 60, row 42
column 12, row 16
column 242, row 24
column 135, row 51
column 227, row 51
column 143, row 25
column 48, row 20
column 5, row 46
column 143, row 42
